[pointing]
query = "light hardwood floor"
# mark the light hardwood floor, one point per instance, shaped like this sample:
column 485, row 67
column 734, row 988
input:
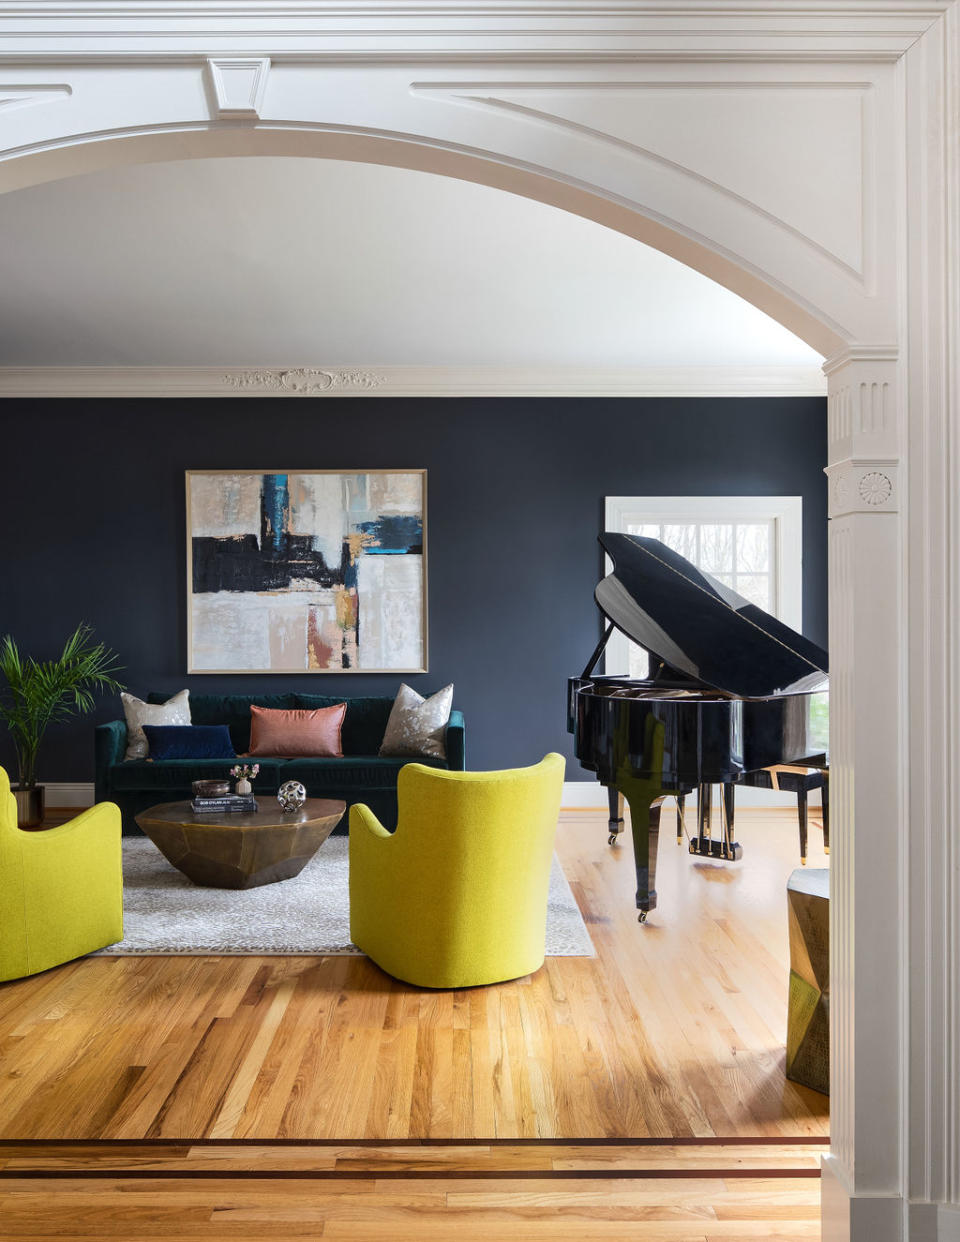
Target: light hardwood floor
column 694, row 1209
column 675, row 1030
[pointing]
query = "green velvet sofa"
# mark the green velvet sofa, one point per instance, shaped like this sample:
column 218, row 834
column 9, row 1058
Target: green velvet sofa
column 360, row 776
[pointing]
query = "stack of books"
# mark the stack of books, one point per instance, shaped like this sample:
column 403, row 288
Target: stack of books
column 226, row 803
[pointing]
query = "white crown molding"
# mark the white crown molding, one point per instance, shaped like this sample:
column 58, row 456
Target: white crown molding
column 383, row 29
column 412, row 382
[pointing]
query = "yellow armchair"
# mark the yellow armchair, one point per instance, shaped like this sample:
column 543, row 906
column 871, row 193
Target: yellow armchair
column 457, row 896
column 61, row 890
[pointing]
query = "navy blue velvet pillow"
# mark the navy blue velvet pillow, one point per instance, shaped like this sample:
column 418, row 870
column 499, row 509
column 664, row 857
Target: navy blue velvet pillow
column 189, row 742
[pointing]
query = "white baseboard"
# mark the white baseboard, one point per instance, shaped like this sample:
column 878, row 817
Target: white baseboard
column 583, row 796
column 834, row 1202
column 849, row 1217
column 577, row 796
column 590, row 796
column 66, row 793
column 948, row 1223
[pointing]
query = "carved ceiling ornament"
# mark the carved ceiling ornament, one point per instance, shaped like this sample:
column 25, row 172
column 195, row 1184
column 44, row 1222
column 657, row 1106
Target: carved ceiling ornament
column 303, row 381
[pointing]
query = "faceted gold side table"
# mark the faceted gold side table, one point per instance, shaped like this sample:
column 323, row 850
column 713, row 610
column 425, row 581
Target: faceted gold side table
column 240, row 851
column 808, row 1012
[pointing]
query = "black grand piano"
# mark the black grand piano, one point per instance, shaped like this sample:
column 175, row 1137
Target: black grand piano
column 731, row 691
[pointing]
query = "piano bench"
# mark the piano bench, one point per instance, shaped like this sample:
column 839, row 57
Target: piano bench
column 800, row 781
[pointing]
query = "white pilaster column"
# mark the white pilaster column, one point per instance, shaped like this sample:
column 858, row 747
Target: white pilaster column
column 932, row 1053
column 862, row 1176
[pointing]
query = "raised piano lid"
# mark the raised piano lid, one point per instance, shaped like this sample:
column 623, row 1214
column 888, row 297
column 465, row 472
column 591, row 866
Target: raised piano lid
column 701, row 628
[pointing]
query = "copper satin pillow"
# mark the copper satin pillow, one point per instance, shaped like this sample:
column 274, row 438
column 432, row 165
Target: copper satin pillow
column 297, row 733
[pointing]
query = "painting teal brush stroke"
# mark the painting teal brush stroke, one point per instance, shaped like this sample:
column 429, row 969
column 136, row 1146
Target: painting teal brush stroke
column 393, row 535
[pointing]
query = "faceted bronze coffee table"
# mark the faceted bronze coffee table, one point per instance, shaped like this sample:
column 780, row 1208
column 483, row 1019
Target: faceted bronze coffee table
column 241, row 851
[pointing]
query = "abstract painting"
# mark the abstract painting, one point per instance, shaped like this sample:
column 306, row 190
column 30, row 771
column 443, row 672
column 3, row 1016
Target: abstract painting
column 306, row 571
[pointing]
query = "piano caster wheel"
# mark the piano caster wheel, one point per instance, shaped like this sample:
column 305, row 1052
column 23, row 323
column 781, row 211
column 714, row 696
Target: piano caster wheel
column 612, row 839
column 642, row 916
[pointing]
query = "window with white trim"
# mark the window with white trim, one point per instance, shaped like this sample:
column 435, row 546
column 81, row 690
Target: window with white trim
column 753, row 544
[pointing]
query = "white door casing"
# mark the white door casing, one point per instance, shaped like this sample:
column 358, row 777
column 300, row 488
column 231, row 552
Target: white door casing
column 806, row 157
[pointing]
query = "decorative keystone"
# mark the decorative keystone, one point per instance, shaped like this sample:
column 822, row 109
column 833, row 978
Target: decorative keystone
column 239, row 84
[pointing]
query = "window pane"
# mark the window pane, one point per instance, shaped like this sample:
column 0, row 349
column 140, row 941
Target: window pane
column 716, row 548
column 756, row 588
column 726, row 579
column 681, row 538
column 639, row 662
column 753, row 548
column 646, row 529
column 819, row 722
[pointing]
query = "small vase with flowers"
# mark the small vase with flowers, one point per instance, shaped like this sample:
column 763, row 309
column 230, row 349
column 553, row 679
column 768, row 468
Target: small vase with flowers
column 243, row 774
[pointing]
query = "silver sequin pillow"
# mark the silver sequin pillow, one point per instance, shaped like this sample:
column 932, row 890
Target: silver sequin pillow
column 175, row 711
column 418, row 726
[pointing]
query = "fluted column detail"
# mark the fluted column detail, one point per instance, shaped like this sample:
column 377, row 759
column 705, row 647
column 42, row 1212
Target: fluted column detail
column 866, row 763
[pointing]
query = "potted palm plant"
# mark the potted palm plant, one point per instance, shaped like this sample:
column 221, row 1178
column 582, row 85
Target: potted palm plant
column 40, row 693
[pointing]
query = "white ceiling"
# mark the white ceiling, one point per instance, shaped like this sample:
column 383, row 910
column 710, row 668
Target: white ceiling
column 284, row 262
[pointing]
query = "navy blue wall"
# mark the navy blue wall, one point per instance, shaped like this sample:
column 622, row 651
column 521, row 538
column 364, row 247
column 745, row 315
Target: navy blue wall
column 93, row 504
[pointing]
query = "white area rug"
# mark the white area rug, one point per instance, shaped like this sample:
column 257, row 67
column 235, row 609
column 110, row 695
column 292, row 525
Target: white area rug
column 165, row 913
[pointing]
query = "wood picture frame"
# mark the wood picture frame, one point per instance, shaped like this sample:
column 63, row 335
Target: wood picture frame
column 306, row 571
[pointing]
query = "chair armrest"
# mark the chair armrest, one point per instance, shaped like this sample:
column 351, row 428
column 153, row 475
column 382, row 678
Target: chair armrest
column 110, row 745
column 371, row 855
column 455, row 742
column 364, row 823
column 91, row 830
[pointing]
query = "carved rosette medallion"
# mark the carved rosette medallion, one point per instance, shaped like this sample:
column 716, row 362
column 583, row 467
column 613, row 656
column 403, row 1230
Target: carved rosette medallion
column 863, row 488
column 303, row 381
column 875, row 488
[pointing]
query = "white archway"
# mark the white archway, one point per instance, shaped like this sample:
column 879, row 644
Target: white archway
column 94, row 153
column 781, row 158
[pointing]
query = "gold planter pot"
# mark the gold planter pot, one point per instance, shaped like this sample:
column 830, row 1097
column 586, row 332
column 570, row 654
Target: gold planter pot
column 29, row 806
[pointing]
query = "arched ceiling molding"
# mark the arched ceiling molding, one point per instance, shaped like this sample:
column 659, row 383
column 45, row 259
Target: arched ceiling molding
column 745, row 140
column 95, row 152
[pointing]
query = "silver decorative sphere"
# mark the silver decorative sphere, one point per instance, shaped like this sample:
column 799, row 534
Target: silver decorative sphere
column 291, row 795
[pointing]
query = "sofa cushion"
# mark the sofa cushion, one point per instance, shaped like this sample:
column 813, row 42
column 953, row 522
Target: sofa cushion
column 360, row 772
column 189, row 742
column 233, row 710
column 155, row 710
column 297, row 732
column 418, row 726
column 364, row 723
column 178, row 774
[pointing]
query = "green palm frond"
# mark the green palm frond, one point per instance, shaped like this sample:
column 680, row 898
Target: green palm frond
column 39, row 693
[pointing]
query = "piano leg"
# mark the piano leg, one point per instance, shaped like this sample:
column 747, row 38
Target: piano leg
column 644, row 799
column 802, row 815
column 681, row 799
column 644, row 795
column 615, row 824
column 825, row 799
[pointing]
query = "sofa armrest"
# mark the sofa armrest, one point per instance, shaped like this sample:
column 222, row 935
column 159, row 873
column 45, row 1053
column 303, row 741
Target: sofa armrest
column 110, row 745
column 455, row 744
